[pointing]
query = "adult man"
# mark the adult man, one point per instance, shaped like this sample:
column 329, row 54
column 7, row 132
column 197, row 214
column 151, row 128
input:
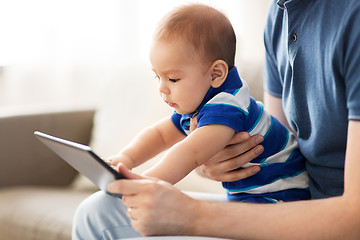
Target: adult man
column 312, row 83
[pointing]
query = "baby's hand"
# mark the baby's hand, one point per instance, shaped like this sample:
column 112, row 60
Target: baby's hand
column 120, row 158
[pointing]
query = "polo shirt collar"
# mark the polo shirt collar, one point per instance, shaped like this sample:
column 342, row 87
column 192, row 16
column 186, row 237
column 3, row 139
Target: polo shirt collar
column 283, row 3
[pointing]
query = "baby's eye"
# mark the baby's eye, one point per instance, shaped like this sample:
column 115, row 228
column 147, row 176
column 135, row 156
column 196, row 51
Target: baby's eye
column 173, row 80
column 157, row 77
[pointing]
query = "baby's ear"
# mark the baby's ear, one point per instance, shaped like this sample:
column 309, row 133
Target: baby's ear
column 219, row 72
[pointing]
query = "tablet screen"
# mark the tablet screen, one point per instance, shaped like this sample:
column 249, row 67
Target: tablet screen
column 82, row 158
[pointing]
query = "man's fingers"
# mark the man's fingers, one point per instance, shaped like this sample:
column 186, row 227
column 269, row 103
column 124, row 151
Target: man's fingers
column 243, row 159
column 239, row 137
column 127, row 186
column 240, row 174
column 238, row 149
column 229, row 169
column 122, row 169
column 248, row 144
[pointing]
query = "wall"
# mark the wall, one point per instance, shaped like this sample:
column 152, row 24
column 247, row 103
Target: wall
column 62, row 52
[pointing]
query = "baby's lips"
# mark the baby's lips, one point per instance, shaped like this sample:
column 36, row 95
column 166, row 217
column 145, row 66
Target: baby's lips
column 169, row 103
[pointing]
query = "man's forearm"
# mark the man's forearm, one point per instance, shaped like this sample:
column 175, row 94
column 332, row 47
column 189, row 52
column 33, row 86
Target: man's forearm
column 315, row 219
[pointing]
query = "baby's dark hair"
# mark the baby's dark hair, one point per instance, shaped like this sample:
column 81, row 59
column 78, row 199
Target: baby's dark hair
column 207, row 30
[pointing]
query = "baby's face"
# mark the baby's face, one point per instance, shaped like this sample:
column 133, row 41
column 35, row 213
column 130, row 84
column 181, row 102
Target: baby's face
column 183, row 81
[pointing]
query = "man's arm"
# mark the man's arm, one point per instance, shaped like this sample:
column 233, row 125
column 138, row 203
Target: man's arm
column 331, row 218
column 273, row 105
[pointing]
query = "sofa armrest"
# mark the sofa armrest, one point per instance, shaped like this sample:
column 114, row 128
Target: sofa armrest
column 24, row 160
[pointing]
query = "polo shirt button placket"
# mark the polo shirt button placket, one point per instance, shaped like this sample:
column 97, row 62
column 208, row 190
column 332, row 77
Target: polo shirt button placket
column 292, row 47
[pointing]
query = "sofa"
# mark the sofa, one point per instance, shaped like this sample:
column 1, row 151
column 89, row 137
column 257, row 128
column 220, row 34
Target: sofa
column 38, row 190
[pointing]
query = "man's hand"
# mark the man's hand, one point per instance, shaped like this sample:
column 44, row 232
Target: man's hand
column 226, row 165
column 154, row 206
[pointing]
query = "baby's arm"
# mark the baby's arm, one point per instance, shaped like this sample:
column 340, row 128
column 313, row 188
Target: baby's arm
column 193, row 151
column 148, row 143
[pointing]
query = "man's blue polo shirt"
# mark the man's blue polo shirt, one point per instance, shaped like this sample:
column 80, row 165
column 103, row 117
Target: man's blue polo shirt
column 313, row 64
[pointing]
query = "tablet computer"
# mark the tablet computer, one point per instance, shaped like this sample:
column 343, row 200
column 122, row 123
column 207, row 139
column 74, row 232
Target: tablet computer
column 83, row 159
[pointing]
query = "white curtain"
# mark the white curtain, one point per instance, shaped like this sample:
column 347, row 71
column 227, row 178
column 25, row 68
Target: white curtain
column 61, row 52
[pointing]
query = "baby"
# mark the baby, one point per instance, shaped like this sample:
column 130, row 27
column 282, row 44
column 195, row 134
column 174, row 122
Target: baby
column 192, row 55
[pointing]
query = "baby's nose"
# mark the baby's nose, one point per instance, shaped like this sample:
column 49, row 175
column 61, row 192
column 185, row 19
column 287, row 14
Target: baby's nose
column 163, row 88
